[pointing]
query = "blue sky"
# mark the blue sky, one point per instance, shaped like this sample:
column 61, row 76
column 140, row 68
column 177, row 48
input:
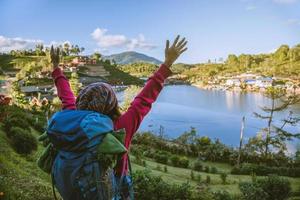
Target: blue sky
column 214, row 28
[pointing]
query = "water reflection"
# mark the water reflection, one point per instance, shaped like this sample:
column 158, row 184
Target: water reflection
column 214, row 113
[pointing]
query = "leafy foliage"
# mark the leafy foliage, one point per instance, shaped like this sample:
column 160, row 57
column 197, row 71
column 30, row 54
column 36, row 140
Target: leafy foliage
column 270, row 188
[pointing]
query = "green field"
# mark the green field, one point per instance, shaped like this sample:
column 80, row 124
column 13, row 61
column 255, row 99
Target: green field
column 181, row 175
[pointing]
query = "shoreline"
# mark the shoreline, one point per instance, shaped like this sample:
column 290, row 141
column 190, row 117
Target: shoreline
column 238, row 89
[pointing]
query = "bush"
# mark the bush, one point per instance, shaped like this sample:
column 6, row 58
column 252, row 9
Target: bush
column 192, row 175
column 206, row 169
column 175, row 160
column 208, row 179
column 214, row 170
column 161, row 157
column 165, row 169
column 252, row 191
column 9, row 123
column 178, row 161
column 40, row 126
column 22, row 140
column 223, row 177
column 158, row 168
column 198, row 166
column 222, row 195
column 262, row 170
column 270, row 188
column 276, row 187
column 184, row 162
column 147, row 186
column 199, row 178
column 151, row 187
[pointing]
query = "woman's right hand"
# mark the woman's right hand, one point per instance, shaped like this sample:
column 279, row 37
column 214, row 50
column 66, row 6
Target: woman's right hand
column 54, row 56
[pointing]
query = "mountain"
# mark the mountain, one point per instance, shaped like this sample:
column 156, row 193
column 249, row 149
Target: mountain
column 129, row 57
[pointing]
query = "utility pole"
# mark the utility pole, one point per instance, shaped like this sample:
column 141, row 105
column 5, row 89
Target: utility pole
column 241, row 141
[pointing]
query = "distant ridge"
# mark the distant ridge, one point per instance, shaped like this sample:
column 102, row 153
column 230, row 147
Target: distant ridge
column 129, row 57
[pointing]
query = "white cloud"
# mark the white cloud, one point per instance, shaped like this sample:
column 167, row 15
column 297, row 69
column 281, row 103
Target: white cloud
column 285, row 1
column 105, row 40
column 18, row 43
column 57, row 43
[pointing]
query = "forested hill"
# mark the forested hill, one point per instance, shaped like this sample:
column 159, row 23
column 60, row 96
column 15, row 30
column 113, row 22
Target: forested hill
column 129, row 57
column 283, row 63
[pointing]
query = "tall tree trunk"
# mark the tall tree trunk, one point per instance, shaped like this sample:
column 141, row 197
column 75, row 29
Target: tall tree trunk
column 269, row 128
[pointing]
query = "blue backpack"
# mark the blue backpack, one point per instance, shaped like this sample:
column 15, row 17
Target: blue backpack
column 78, row 170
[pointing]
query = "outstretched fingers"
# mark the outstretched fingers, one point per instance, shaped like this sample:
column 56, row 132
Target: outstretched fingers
column 167, row 44
column 175, row 41
column 183, row 50
column 182, row 45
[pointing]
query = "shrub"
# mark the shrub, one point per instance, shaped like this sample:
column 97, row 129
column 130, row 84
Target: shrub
column 22, row 140
column 206, row 169
column 39, row 126
column 223, row 177
column 198, row 166
column 175, row 160
column 252, row 191
column 165, row 169
column 151, row 187
column 161, row 157
column 208, row 179
column 276, row 187
column 199, row 178
column 178, row 161
column 214, row 170
column 222, row 195
column 184, row 162
column 144, row 163
column 270, row 188
column 192, row 175
column 158, row 168
column 262, row 170
column 9, row 123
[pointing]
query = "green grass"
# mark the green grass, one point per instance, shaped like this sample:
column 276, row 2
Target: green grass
column 181, row 175
column 20, row 178
column 117, row 76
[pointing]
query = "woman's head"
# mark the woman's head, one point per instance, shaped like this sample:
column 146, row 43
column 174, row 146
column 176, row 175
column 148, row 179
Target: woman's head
column 99, row 97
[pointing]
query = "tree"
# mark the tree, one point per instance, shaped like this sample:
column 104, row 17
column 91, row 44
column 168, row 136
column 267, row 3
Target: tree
column 281, row 53
column 96, row 56
column 74, row 83
column 232, row 60
column 39, row 49
column 75, row 49
column 277, row 135
column 66, row 48
column 294, row 54
column 82, row 49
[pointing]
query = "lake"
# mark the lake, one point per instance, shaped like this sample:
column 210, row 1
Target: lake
column 214, row 113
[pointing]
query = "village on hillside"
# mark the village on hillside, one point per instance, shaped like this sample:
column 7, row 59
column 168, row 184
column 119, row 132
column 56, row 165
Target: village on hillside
column 89, row 70
column 251, row 82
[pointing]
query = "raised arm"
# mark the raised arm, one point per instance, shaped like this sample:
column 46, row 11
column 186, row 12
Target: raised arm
column 142, row 103
column 64, row 91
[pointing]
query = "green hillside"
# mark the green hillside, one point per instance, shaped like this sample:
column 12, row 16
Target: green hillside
column 130, row 57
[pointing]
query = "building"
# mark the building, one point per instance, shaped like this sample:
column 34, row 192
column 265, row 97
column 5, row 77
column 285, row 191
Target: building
column 81, row 61
column 264, row 82
column 233, row 82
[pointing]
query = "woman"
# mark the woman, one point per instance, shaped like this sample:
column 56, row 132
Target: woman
column 101, row 99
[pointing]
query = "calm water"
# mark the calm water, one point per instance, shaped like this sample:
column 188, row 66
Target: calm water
column 216, row 114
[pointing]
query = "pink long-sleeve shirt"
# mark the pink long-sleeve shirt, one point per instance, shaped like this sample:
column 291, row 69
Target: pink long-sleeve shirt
column 132, row 118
